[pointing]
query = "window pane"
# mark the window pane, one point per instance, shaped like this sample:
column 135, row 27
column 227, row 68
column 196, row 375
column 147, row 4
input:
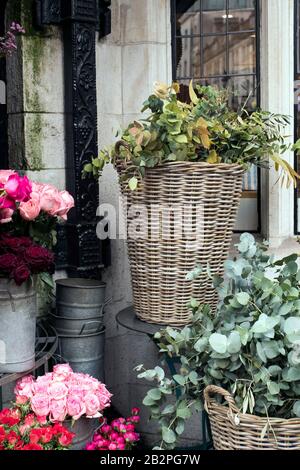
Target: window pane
column 242, row 90
column 188, row 24
column 214, row 17
column 188, row 57
column 214, row 55
column 241, row 15
column 242, row 53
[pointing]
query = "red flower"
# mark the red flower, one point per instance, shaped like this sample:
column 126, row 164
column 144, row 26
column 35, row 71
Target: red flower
column 35, row 435
column 9, row 417
column 12, row 438
column 2, row 434
column 21, row 273
column 46, row 435
column 32, row 447
column 66, row 438
column 39, row 259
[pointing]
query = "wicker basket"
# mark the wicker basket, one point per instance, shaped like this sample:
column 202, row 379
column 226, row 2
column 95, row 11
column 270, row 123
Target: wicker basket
column 159, row 264
column 232, row 430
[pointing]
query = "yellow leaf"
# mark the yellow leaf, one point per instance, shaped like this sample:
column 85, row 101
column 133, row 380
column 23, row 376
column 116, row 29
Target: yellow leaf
column 176, row 87
column 289, row 175
column 213, row 157
column 193, row 96
column 205, row 141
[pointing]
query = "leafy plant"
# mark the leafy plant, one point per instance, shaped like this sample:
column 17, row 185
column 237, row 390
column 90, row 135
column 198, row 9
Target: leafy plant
column 205, row 130
column 251, row 347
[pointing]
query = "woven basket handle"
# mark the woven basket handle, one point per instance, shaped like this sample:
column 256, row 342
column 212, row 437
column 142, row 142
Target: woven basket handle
column 213, row 390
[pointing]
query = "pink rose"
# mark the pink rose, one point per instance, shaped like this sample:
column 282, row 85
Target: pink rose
column 30, row 210
column 75, row 406
column 104, row 396
column 67, row 202
column 6, row 215
column 61, row 372
column 18, row 188
column 4, row 175
column 57, row 390
column 24, row 386
column 40, row 404
column 92, row 405
column 58, row 411
column 42, row 383
column 50, row 200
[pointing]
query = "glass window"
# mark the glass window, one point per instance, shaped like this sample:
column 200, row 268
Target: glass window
column 215, row 42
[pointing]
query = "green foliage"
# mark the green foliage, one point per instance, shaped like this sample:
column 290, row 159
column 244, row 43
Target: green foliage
column 251, row 347
column 204, row 131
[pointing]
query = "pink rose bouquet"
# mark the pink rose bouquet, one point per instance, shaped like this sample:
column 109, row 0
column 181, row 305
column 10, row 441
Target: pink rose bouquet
column 120, row 434
column 29, row 213
column 63, row 394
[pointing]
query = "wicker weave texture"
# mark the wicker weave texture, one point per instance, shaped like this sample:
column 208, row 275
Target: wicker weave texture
column 231, row 430
column 159, row 263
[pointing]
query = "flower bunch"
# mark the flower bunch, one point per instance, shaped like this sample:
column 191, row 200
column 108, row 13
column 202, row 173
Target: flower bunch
column 64, row 394
column 20, row 257
column 8, row 43
column 120, row 434
column 20, row 429
column 30, row 199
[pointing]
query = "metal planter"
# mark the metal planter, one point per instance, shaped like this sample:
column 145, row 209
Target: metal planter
column 17, row 326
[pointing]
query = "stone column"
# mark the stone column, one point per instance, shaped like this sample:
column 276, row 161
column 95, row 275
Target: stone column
column 277, row 92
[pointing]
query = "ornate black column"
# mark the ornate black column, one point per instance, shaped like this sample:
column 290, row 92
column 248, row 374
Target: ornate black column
column 79, row 248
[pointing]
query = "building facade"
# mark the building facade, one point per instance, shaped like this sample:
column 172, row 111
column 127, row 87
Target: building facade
column 250, row 46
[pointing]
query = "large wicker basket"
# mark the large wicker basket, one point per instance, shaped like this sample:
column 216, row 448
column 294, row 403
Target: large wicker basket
column 159, row 265
column 232, row 430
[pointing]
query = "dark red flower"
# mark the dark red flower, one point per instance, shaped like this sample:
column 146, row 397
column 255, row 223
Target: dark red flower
column 16, row 245
column 39, row 259
column 8, row 262
column 21, row 273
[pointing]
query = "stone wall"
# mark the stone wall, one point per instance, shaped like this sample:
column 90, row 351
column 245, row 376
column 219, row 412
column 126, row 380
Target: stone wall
column 36, row 99
column 136, row 54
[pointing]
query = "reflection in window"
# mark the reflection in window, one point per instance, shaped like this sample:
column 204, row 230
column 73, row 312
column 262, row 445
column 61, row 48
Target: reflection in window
column 217, row 39
column 215, row 42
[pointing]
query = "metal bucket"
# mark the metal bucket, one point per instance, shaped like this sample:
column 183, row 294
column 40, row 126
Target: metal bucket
column 80, row 298
column 75, row 326
column 83, row 429
column 17, row 326
column 84, row 353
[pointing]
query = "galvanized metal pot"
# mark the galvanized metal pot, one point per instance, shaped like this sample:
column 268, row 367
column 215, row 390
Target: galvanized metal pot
column 80, row 298
column 75, row 326
column 83, row 429
column 17, row 326
column 84, row 352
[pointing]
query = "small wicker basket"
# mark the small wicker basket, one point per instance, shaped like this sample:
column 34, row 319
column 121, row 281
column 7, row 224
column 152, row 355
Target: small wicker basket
column 232, row 430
